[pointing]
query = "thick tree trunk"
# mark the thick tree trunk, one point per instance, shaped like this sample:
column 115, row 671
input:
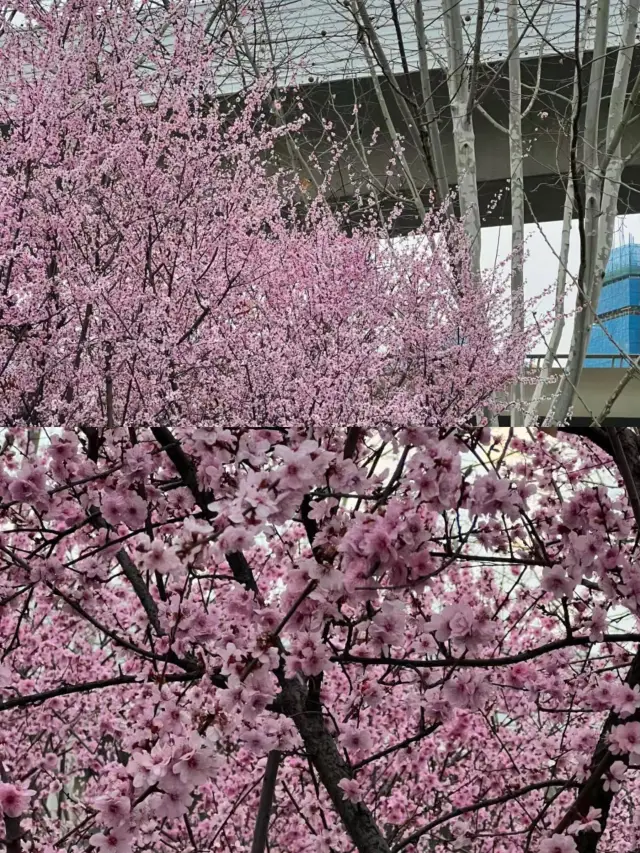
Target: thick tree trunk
column 12, row 828
column 302, row 705
column 516, row 158
column 305, row 710
column 624, row 447
column 463, row 132
column 267, row 795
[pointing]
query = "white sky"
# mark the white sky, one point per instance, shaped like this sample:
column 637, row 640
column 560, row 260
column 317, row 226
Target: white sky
column 541, row 266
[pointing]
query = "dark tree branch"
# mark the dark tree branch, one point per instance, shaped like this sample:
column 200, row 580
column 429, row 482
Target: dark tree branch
column 12, row 829
column 184, row 466
column 623, row 445
column 351, row 443
column 140, row 588
column 403, row 744
column 506, row 660
column 592, row 793
column 266, row 802
column 87, row 686
column 306, row 711
column 483, row 804
column 187, row 470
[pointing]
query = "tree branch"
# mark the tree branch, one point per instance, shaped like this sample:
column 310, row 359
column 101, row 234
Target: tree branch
column 266, row 801
column 306, row 712
column 87, row 686
column 507, row 660
column 483, row 804
column 12, row 829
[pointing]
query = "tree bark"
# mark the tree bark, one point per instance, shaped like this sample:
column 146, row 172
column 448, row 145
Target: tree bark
column 12, row 829
column 299, row 702
column 305, row 709
column 592, row 794
column 624, row 447
column 260, row 833
column 463, row 132
column 517, row 192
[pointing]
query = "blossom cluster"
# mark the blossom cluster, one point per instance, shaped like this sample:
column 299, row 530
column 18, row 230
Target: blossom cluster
column 163, row 266
column 174, row 605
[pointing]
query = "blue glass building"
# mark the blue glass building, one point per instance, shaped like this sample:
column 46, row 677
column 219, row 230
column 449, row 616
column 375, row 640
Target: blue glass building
column 618, row 309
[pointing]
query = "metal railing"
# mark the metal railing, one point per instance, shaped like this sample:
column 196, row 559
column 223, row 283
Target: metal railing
column 536, row 360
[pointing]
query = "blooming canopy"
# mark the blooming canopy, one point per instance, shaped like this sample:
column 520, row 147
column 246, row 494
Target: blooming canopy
column 159, row 261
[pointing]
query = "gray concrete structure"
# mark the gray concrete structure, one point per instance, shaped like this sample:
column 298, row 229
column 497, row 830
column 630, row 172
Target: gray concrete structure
column 596, row 385
column 546, row 140
column 316, row 43
column 321, row 37
column 319, row 41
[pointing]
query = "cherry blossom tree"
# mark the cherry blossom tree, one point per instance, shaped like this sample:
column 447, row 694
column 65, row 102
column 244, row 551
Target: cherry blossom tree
column 327, row 639
column 547, row 89
column 158, row 263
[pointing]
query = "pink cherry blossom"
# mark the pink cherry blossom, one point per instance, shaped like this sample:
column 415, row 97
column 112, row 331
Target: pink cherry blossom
column 196, row 765
column 171, row 804
column 5, row 676
column 14, row 799
column 322, row 509
column 29, row 487
column 614, row 777
column 626, row 738
column 350, row 790
column 151, row 696
column 116, row 840
column 598, row 624
column 627, row 700
column 63, row 449
column 257, row 742
column 467, row 690
column 355, row 740
column 310, row 656
column 328, row 577
column 590, row 823
column 160, row 558
column 558, row 844
column 111, row 507
column 297, row 471
column 147, row 768
column 555, row 581
column 113, row 810
column 461, row 624
column 50, row 761
column 173, row 718
column 387, row 625
column 133, row 510
column 490, row 495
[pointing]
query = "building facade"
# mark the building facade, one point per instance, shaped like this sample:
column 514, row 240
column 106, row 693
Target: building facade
column 618, row 310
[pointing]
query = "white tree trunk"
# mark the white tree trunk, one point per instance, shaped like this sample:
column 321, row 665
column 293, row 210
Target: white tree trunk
column 462, row 120
column 430, row 117
column 614, row 162
column 391, row 129
column 558, row 323
column 517, row 191
column 587, row 286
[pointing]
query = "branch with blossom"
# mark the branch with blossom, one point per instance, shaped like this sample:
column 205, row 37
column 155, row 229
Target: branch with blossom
column 160, row 265
column 399, row 650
